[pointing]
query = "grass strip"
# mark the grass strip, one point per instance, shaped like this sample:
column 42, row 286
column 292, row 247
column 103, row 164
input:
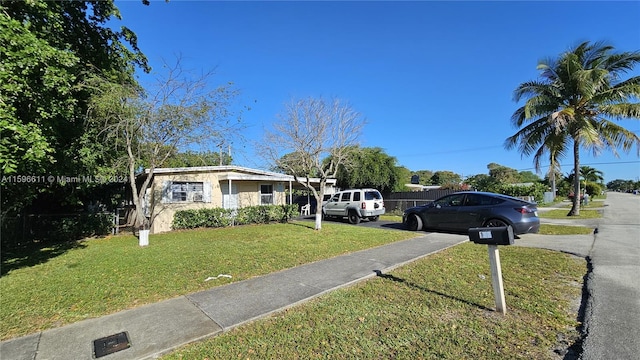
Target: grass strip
column 553, row 229
column 562, row 214
column 440, row 307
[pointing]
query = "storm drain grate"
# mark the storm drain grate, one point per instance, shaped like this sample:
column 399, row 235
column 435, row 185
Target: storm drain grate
column 110, row 344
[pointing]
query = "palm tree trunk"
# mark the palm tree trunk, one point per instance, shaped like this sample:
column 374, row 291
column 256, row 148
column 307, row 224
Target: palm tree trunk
column 575, row 207
column 552, row 173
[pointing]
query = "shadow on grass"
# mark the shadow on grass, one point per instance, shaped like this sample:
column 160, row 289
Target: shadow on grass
column 415, row 286
column 39, row 253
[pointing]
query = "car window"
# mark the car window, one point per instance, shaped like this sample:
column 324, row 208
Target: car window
column 478, row 200
column 356, row 196
column 451, row 200
column 372, row 195
column 335, row 197
column 472, row 200
column 345, row 196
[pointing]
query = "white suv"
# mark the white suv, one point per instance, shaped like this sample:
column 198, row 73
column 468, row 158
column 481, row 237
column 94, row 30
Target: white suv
column 355, row 204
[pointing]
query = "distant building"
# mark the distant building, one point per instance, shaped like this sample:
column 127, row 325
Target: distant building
column 418, row 187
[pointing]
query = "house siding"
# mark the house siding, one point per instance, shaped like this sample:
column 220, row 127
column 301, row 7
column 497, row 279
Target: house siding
column 162, row 209
column 162, row 212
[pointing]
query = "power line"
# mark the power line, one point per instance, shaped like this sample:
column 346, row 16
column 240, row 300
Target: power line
column 585, row 164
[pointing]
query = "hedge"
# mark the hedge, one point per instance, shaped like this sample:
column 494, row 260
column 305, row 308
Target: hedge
column 536, row 190
column 219, row 217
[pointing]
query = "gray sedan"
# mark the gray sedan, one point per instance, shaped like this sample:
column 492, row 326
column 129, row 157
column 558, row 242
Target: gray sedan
column 463, row 210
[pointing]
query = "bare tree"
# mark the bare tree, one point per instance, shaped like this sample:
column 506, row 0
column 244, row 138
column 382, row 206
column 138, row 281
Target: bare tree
column 145, row 128
column 311, row 138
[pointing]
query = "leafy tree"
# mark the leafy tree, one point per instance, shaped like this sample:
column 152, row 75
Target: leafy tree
column 572, row 102
column 482, row 182
column 319, row 136
column 404, row 175
column 47, row 51
column 372, row 168
column 194, row 158
column 623, row 185
column 146, row 127
column 528, row 176
column 503, row 174
column 445, row 178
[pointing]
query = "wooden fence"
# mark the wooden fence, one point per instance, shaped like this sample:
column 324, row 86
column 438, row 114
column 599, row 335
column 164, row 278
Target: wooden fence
column 400, row 201
column 25, row 230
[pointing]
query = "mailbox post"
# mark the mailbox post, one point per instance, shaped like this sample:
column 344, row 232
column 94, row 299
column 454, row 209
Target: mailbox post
column 494, row 236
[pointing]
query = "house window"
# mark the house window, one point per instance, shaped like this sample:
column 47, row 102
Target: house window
column 187, row 191
column 266, row 194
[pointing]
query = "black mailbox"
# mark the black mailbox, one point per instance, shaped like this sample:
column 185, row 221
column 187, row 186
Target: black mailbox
column 502, row 235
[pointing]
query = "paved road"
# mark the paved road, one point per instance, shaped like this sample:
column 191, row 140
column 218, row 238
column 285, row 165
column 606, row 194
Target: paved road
column 612, row 316
column 612, row 309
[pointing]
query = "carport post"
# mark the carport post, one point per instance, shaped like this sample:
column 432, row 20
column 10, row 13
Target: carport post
column 496, row 279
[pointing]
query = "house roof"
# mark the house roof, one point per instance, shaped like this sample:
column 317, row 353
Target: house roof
column 232, row 172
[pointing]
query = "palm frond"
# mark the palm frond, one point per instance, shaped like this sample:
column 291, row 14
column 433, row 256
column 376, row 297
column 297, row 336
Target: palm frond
column 616, row 136
column 621, row 63
column 621, row 111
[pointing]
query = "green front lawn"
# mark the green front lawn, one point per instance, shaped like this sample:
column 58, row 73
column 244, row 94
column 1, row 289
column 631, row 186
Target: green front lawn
column 107, row 275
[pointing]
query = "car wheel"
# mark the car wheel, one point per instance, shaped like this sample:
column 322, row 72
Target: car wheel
column 374, row 218
column 413, row 223
column 353, row 217
column 495, row 223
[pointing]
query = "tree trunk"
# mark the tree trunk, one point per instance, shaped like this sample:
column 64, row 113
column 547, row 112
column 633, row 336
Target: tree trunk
column 319, row 196
column 552, row 170
column 575, row 206
column 318, row 225
column 137, row 195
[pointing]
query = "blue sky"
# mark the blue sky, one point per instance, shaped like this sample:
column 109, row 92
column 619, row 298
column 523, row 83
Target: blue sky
column 434, row 80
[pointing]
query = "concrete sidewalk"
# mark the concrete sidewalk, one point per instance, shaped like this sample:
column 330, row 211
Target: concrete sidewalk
column 159, row 328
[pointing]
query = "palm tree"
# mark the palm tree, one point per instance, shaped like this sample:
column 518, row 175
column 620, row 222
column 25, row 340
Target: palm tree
column 571, row 104
column 592, row 175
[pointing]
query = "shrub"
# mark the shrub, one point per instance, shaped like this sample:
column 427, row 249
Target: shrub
column 219, row 217
column 536, row 190
column 594, row 189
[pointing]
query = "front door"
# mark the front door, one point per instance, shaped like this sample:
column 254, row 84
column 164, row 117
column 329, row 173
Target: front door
column 229, row 199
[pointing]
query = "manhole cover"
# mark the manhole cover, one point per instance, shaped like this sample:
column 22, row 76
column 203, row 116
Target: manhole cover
column 110, row 344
